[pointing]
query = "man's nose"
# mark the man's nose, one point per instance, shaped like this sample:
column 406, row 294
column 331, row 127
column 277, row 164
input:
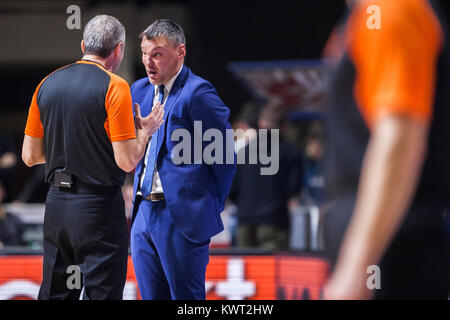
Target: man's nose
column 148, row 61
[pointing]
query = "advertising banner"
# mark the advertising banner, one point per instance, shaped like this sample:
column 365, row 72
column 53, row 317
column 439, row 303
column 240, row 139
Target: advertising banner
column 228, row 277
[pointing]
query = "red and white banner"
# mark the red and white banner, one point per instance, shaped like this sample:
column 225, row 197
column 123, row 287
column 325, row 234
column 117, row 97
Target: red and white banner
column 228, row 277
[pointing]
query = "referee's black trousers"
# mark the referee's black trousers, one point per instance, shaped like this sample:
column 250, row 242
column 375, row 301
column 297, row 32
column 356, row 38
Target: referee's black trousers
column 85, row 236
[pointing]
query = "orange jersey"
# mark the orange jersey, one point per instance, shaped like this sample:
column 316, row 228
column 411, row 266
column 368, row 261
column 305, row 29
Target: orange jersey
column 119, row 124
column 79, row 110
column 394, row 60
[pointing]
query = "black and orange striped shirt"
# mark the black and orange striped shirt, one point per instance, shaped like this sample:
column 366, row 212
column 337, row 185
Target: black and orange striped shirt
column 401, row 68
column 79, row 110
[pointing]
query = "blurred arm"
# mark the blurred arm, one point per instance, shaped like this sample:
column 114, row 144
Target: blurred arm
column 389, row 178
column 396, row 67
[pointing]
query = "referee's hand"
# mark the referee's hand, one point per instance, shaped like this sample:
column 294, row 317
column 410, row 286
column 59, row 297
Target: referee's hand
column 151, row 122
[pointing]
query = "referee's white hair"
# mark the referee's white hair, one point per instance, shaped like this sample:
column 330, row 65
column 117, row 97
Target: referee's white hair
column 102, row 34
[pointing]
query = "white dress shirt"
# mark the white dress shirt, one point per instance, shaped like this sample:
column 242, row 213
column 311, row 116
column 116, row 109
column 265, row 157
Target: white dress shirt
column 156, row 185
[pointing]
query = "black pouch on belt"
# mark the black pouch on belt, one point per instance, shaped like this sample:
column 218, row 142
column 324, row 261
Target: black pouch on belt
column 62, row 179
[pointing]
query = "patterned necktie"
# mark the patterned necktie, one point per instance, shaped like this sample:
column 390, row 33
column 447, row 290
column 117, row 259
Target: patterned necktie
column 150, row 168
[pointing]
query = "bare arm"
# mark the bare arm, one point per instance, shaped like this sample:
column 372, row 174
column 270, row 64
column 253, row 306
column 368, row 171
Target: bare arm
column 128, row 153
column 389, row 178
column 33, row 151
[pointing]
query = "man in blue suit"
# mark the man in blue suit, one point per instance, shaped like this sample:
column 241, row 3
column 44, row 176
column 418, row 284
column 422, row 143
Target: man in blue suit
column 176, row 206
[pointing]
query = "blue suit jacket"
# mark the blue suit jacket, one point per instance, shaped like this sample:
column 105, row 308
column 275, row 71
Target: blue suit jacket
column 195, row 193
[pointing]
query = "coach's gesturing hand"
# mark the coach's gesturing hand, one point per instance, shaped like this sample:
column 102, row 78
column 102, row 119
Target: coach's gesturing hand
column 151, row 122
column 128, row 153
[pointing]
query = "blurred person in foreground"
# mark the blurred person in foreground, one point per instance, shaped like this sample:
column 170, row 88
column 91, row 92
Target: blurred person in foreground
column 387, row 153
column 80, row 124
column 177, row 204
column 262, row 200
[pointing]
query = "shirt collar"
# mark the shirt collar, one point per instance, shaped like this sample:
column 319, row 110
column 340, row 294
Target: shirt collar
column 169, row 84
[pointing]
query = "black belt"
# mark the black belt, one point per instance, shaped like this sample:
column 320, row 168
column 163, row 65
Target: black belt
column 79, row 186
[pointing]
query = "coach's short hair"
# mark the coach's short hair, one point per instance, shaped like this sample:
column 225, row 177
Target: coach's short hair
column 165, row 28
column 102, row 34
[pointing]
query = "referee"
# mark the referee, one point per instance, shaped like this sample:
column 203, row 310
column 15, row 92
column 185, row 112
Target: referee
column 80, row 124
column 388, row 167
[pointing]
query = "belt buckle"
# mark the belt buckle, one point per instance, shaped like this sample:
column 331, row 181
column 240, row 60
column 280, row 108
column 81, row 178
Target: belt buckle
column 155, row 197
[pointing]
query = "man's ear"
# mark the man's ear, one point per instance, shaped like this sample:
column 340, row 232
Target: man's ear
column 118, row 49
column 82, row 46
column 182, row 51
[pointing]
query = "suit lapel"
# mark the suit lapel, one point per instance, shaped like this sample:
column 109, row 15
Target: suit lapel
column 146, row 107
column 147, row 103
column 173, row 95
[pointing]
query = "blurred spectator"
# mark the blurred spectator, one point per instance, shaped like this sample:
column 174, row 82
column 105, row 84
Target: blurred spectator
column 127, row 193
column 245, row 130
column 261, row 200
column 9, row 231
column 248, row 119
column 313, row 185
column 35, row 189
column 8, row 161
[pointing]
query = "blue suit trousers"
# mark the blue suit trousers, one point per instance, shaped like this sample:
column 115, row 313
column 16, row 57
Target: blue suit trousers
column 167, row 265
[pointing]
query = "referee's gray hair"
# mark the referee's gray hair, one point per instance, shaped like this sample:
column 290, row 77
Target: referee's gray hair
column 102, row 34
column 165, row 28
